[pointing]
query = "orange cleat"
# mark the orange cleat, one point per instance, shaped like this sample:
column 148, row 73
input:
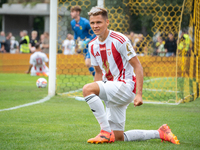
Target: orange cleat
column 39, row 74
column 103, row 137
column 45, row 74
column 167, row 135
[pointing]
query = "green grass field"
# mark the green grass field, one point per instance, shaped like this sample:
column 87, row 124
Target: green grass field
column 65, row 123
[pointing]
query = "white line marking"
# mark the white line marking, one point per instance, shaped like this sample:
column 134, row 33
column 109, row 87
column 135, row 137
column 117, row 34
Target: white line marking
column 28, row 104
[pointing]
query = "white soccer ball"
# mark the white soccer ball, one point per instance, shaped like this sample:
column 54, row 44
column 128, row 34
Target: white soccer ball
column 41, row 83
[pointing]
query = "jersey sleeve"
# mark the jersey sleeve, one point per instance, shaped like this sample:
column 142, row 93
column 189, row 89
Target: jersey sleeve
column 127, row 50
column 92, row 56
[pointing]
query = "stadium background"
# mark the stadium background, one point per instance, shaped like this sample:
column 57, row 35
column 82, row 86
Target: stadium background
column 167, row 79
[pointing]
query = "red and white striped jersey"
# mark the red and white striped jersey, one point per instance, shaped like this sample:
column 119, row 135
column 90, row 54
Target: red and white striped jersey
column 112, row 57
column 38, row 59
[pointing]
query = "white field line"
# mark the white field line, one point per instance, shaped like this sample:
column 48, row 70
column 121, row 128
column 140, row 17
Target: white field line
column 19, row 81
column 28, row 104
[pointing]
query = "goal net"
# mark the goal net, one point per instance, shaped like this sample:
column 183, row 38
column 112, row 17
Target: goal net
column 148, row 24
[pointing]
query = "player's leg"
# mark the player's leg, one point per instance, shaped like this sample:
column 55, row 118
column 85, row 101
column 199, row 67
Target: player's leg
column 107, row 92
column 117, row 97
column 116, row 115
column 88, row 63
column 91, row 92
column 164, row 133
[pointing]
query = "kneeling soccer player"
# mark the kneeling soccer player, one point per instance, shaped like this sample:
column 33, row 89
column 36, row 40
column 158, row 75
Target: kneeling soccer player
column 115, row 60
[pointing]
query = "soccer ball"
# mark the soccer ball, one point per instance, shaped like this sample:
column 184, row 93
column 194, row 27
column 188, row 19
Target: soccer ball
column 41, row 83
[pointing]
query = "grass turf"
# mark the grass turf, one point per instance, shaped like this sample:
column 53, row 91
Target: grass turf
column 64, row 123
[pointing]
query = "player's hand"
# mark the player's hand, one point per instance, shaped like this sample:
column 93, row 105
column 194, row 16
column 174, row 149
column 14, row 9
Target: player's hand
column 138, row 100
column 82, row 44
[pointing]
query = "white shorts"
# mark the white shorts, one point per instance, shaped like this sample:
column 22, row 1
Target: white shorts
column 117, row 96
column 41, row 69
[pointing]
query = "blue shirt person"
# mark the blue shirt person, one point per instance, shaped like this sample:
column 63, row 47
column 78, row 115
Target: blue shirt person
column 83, row 34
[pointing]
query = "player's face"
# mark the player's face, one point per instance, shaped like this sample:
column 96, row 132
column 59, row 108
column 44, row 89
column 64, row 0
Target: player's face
column 74, row 14
column 99, row 24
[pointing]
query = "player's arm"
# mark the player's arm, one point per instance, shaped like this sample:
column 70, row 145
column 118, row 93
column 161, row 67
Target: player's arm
column 135, row 63
column 29, row 69
column 98, row 73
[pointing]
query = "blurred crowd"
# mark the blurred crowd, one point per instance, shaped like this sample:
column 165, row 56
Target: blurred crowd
column 160, row 46
column 26, row 44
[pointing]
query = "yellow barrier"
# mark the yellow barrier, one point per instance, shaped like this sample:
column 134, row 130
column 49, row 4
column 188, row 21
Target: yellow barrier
column 154, row 66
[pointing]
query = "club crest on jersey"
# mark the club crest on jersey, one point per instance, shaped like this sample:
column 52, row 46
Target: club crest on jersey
column 109, row 51
column 81, row 28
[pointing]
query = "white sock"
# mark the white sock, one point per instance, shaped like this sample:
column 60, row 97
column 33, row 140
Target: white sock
column 141, row 135
column 97, row 107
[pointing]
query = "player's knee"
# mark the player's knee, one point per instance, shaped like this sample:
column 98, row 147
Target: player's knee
column 86, row 90
column 91, row 88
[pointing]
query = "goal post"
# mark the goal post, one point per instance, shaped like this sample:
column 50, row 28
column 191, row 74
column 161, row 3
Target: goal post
column 52, row 47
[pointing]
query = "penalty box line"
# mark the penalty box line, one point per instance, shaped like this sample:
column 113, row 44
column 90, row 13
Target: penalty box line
column 28, row 104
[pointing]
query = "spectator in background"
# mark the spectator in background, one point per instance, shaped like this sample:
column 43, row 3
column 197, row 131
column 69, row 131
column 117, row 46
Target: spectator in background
column 6, row 45
column 33, row 41
column 161, row 51
column 14, row 47
column 45, row 43
column 184, row 43
column 68, row 45
column 24, row 43
column 41, row 40
column 2, row 40
column 170, row 45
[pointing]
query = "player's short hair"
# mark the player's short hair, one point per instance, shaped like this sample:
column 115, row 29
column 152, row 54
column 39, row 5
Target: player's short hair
column 76, row 8
column 98, row 11
column 37, row 45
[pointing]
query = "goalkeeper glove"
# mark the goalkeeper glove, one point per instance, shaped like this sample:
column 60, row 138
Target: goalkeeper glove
column 82, row 44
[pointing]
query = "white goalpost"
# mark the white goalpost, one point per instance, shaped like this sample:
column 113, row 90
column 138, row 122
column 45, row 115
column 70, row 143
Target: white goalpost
column 52, row 47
